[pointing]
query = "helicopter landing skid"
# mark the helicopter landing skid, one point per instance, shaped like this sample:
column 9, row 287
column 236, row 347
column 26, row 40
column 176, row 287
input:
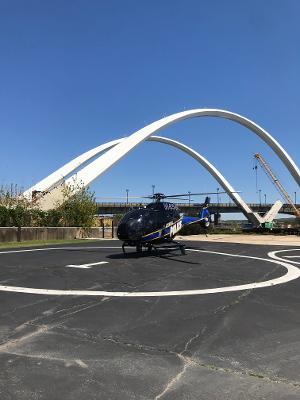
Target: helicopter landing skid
column 172, row 245
column 138, row 246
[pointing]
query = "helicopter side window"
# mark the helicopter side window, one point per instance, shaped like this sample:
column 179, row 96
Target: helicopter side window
column 152, row 221
column 170, row 215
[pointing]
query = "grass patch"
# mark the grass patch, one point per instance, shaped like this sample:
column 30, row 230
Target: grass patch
column 32, row 243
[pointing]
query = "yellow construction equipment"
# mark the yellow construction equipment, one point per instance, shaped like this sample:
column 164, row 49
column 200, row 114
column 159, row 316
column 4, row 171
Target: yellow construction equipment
column 277, row 183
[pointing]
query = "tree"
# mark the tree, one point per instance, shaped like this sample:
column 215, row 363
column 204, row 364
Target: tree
column 79, row 206
column 15, row 209
column 78, row 209
column 4, row 216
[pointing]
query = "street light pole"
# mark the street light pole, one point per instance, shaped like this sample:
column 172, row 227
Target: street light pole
column 127, row 190
column 189, row 198
column 217, row 214
column 259, row 196
column 153, row 188
column 265, row 199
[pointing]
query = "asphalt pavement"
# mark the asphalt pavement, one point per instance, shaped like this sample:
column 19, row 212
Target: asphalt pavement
column 87, row 322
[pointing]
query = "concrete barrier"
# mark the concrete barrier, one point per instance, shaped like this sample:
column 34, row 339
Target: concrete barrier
column 8, row 234
column 14, row 234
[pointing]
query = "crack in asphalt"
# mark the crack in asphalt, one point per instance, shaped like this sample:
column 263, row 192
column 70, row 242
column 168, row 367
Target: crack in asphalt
column 69, row 362
column 227, row 307
column 11, row 341
column 188, row 361
column 5, row 347
column 9, row 313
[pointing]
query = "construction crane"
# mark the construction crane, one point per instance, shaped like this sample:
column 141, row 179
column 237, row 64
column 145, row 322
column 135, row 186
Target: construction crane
column 277, row 183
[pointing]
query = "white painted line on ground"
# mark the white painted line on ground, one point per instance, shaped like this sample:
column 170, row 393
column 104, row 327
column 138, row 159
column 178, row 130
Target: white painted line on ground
column 291, row 274
column 291, row 256
column 59, row 248
column 273, row 255
column 86, row 266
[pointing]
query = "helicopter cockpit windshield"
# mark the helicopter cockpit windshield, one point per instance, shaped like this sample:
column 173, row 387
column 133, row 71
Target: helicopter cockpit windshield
column 137, row 223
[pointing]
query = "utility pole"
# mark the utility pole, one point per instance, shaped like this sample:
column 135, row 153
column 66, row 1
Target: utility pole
column 265, row 199
column 189, row 198
column 153, row 189
column 295, row 197
column 127, row 190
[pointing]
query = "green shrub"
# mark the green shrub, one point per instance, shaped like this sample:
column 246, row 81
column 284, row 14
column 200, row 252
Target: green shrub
column 4, row 216
column 78, row 209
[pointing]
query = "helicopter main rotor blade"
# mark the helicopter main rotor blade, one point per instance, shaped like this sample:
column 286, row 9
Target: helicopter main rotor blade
column 121, row 197
column 196, row 194
column 161, row 196
column 176, row 198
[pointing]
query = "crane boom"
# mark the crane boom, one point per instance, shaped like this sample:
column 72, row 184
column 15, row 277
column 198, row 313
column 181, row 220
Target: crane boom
column 277, row 183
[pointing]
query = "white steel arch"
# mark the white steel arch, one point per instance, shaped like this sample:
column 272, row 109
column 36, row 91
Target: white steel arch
column 107, row 160
column 86, row 175
column 56, row 177
column 237, row 199
column 247, row 211
column 60, row 174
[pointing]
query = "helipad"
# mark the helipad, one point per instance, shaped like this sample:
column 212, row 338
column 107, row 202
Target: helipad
column 83, row 321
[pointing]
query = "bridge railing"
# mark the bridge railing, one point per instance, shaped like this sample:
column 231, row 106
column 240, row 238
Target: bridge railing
column 135, row 204
column 123, row 206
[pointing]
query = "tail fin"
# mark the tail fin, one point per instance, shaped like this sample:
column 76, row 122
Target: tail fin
column 207, row 201
column 204, row 213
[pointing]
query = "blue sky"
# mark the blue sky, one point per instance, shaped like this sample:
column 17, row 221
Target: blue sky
column 75, row 74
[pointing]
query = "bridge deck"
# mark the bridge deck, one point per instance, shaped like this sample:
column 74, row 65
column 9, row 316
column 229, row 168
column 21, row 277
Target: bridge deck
column 121, row 208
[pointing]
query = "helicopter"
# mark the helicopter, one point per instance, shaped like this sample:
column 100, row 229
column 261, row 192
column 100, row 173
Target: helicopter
column 156, row 224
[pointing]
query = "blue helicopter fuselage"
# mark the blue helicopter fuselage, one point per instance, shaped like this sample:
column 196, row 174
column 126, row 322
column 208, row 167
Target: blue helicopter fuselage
column 157, row 222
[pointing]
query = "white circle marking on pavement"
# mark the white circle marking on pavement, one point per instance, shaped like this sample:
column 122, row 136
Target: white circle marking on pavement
column 273, row 255
column 291, row 274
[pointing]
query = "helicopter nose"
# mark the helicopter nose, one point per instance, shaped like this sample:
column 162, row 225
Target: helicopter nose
column 122, row 231
column 130, row 230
